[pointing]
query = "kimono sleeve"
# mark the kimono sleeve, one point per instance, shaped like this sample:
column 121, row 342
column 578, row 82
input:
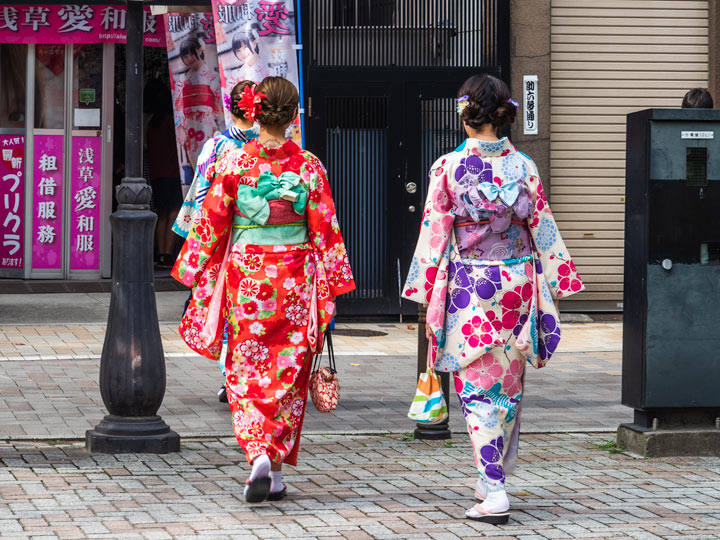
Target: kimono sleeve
column 557, row 266
column 435, row 230
column 324, row 231
column 212, row 224
column 198, row 189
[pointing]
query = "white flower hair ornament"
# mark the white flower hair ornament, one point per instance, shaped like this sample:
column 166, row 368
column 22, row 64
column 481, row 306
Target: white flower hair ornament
column 461, row 103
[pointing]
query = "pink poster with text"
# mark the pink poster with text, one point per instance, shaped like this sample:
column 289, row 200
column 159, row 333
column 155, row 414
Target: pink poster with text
column 47, row 237
column 85, row 203
column 12, row 188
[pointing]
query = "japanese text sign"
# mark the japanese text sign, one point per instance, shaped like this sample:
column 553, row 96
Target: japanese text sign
column 12, row 187
column 73, row 23
column 47, row 238
column 85, row 204
column 530, row 101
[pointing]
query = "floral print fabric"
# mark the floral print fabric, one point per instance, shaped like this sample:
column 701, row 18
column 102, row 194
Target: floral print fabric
column 460, row 271
column 488, row 264
column 212, row 151
column 272, row 291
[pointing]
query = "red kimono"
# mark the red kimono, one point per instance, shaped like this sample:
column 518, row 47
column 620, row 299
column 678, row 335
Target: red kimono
column 274, row 286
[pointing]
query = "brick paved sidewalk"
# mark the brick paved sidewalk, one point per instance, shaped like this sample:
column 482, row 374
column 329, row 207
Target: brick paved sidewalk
column 49, row 383
column 355, row 487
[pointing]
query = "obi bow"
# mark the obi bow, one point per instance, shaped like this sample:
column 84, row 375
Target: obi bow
column 508, row 193
column 287, row 186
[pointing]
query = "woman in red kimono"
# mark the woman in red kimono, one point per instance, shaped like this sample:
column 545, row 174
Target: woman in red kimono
column 266, row 255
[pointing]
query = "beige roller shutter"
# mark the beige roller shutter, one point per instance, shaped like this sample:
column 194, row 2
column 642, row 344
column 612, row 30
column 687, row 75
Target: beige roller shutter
column 610, row 58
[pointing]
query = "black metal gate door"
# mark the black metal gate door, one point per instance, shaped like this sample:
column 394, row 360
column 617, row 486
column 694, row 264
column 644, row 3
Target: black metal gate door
column 381, row 81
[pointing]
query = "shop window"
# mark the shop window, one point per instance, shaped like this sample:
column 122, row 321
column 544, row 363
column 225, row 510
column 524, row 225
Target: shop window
column 87, row 86
column 13, row 78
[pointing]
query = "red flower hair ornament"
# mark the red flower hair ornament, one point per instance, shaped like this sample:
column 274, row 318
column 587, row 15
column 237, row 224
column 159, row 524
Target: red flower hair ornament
column 251, row 102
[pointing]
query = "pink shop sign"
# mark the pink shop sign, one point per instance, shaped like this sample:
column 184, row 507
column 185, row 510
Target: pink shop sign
column 85, row 203
column 12, row 187
column 73, row 23
column 47, row 238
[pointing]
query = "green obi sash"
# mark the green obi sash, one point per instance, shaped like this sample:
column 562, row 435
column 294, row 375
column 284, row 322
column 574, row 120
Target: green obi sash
column 253, row 203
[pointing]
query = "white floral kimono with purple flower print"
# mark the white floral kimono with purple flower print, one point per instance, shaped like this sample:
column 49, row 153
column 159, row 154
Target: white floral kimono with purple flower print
column 488, row 264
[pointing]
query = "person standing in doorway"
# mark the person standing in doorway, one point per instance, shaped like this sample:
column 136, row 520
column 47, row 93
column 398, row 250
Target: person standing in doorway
column 242, row 131
column 265, row 255
column 163, row 169
column 490, row 264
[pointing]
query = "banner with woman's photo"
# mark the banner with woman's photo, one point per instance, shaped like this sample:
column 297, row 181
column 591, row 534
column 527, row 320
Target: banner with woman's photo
column 255, row 39
column 195, row 81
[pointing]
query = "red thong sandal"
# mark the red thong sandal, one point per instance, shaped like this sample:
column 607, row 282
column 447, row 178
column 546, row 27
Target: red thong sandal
column 278, row 495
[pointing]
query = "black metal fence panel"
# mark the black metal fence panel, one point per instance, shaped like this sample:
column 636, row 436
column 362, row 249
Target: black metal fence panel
column 356, row 146
column 417, row 33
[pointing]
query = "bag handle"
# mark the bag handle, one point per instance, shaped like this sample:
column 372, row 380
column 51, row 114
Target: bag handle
column 331, row 354
column 430, row 363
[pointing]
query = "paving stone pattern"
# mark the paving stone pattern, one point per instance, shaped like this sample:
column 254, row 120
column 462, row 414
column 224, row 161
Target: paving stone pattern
column 49, row 383
column 354, row 487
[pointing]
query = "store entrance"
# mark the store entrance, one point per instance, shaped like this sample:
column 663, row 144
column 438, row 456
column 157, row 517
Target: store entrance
column 59, row 137
column 160, row 157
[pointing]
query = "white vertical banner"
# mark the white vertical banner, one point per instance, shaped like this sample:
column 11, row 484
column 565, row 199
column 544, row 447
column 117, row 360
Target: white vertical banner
column 530, row 100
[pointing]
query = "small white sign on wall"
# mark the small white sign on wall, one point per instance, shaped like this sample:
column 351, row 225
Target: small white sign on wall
column 530, row 101
column 697, row 134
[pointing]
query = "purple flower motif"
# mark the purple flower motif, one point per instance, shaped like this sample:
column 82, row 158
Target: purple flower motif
column 520, row 323
column 549, row 335
column 469, row 401
column 458, row 299
column 475, row 167
column 460, row 288
column 491, row 459
column 489, row 283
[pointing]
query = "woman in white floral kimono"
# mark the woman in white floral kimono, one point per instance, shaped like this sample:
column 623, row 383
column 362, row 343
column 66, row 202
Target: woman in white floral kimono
column 490, row 266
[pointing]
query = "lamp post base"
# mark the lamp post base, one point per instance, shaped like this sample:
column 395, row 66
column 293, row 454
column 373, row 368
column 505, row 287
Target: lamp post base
column 126, row 435
column 433, row 432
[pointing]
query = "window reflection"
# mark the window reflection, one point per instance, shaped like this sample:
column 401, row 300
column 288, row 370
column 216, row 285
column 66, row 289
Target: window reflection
column 49, row 86
column 13, row 76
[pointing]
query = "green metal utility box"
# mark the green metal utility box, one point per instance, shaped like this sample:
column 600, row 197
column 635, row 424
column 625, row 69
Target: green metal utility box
column 671, row 324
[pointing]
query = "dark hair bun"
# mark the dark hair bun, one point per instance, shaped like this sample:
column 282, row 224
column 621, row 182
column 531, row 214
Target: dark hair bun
column 488, row 102
column 280, row 103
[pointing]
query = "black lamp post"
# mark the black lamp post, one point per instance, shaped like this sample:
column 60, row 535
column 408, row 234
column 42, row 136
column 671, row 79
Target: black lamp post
column 132, row 366
column 441, row 430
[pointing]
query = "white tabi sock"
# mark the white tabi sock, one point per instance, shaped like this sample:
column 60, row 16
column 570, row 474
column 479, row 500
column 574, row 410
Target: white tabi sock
column 277, row 483
column 260, row 469
column 481, row 489
column 496, row 502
